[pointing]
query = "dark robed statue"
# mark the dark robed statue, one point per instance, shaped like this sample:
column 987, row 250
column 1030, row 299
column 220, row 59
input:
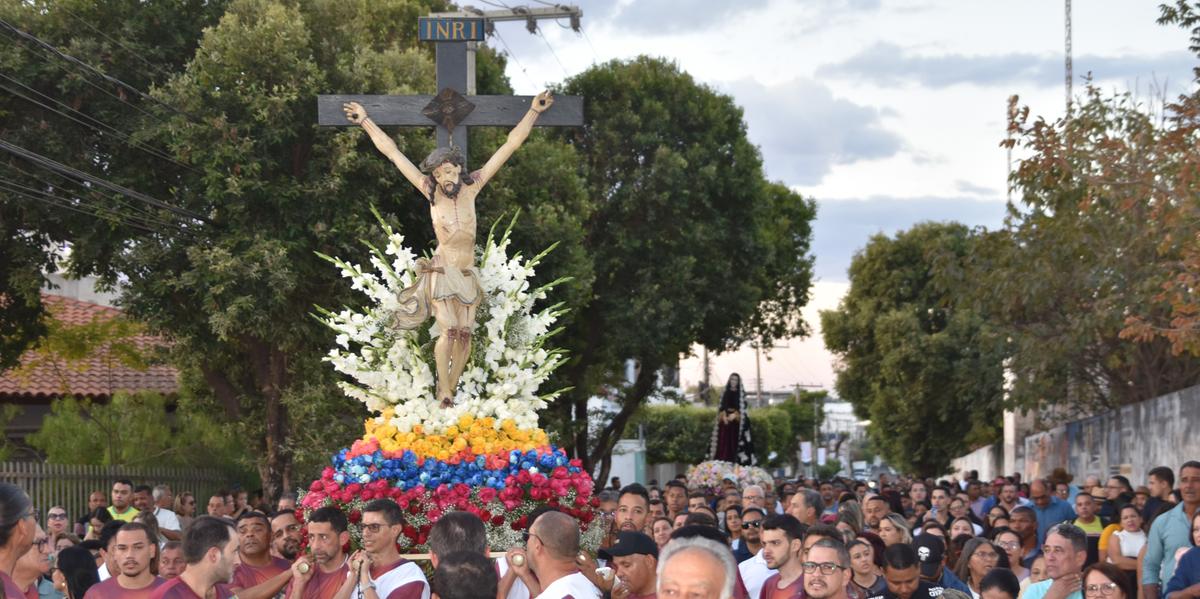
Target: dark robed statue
column 731, row 440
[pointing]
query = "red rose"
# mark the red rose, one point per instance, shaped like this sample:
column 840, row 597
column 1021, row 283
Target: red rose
column 316, row 486
column 497, row 520
column 560, row 472
column 354, row 516
column 487, row 494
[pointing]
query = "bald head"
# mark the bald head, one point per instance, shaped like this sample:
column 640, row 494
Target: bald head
column 559, row 533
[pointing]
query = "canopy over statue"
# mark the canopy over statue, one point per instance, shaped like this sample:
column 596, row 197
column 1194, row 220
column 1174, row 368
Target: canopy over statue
column 448, row 285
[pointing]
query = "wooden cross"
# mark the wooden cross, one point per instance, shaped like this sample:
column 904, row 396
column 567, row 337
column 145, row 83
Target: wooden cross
column 455, row 70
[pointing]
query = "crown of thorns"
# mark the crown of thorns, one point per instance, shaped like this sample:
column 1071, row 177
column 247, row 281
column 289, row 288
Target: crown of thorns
column 452, row 154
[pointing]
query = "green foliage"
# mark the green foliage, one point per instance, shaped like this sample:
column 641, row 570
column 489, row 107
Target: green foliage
column 688, row 242
column 136, row 430
column 683, row 433
column 829, row 470
column 921, row 368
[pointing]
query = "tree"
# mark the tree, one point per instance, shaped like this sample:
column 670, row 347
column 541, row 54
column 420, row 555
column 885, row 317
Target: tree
column 1090, row 281
column 232, row 111
column 911, row 360
column 688, row 242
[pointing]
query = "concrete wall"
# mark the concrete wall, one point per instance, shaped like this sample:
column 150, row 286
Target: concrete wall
column 1130, row 440
column 987, row 460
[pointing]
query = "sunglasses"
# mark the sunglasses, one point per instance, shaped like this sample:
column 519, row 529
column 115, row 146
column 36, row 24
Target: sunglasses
column 752, row 524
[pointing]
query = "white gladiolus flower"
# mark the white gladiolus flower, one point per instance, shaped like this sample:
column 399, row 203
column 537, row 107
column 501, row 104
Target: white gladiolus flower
column 392, row 368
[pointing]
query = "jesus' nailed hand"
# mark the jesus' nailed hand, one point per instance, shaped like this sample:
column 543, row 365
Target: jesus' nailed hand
column 449, row 286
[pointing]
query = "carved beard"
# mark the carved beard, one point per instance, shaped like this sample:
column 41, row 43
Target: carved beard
column 450, row 190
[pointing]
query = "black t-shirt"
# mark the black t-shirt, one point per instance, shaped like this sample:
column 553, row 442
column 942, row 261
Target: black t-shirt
column 924, row 591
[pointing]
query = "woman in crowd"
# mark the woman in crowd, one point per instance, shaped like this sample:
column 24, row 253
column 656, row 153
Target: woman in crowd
column 733, row 525
column 978, row 557
column 962, row 526
column 1106, row 581
column 18, row 528
column 96, row 520
column 1010, row 543
column 64, row 540
column 893, row 529
column 866, row 573
column 75, row 572
column 662, row 531
column 1000, row 583
column 851, row 514
column 1037, row 572
column 1187, row 571
column 185, row 509
column 1124, row 545
column 959, row 508
column 997, row 512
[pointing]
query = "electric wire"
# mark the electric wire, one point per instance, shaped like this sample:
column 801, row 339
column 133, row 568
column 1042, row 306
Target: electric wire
column 48, row 163
column 96, row 124
column 131, row 51
column 553, row 53
column 53, row 200
column 46, row 46
column 508, row 50
column 81, row 190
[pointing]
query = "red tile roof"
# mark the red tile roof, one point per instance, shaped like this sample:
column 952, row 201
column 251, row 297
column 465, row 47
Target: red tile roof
column 92, row 377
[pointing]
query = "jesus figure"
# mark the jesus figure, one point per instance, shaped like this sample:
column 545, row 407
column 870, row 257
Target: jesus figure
column 448, row 285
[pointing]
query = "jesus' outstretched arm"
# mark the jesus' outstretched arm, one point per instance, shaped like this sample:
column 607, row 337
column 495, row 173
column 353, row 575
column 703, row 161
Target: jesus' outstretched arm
column 516, row 137
column 356, row 114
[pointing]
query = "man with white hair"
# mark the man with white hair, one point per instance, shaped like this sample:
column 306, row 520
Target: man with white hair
column 753, row 496
column 696, row 568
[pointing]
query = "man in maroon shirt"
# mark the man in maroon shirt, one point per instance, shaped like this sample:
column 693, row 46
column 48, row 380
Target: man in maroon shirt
column 324, row 570
column 783, row 549
column 260, row 575
column 285, row 535
column 210, row 547
column 134, row 550
column 171, row 562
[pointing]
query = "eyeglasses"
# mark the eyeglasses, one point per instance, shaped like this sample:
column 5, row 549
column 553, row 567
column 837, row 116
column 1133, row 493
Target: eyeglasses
column 826, row 568
column 1009, row 546
column 41, row 543
column 371, row 528
column 56, row 516
column 1105, row 589
column 752, row 524
column 525, row 536
column 986, row 555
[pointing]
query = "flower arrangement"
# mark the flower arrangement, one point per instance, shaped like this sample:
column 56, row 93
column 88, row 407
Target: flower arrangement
column 709, row 475
column 390, row 367
column 486, row 454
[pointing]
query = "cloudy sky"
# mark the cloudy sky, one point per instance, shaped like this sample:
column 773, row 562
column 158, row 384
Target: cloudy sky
column 886, row 113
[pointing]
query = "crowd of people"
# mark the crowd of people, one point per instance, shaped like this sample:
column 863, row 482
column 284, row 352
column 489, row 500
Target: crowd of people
column 894, row 538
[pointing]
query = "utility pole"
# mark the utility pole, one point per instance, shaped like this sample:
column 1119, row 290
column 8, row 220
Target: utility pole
column 1068, row 52
column 706, row 382
column 518, row 13
column 816, row 431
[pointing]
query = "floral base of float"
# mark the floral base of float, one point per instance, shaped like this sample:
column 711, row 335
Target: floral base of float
column 709, row 475
column 485, row 454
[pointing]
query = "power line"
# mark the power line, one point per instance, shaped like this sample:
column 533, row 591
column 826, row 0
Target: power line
column 96, row 124
column 514, row 57
column 81, row 190
column 131, row 52
column 46, row 46
column 553, row 53
column 62, row 168
column 53, row 200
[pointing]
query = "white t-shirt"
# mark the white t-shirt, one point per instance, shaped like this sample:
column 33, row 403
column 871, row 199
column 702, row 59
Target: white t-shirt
column 518, row 590
column 167, row 520
column 403, row 580
column 1131, row 542
column 754, row 573
column 576, row 586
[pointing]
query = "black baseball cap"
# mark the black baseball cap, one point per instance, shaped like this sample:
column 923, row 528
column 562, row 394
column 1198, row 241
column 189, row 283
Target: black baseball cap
column 931, row 550
column 630, row 542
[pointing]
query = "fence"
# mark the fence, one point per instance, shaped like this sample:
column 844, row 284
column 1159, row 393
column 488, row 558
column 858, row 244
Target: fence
column 69, row 485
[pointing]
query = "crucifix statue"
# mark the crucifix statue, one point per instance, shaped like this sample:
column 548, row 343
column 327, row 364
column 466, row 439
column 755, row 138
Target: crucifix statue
column 447, row 286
